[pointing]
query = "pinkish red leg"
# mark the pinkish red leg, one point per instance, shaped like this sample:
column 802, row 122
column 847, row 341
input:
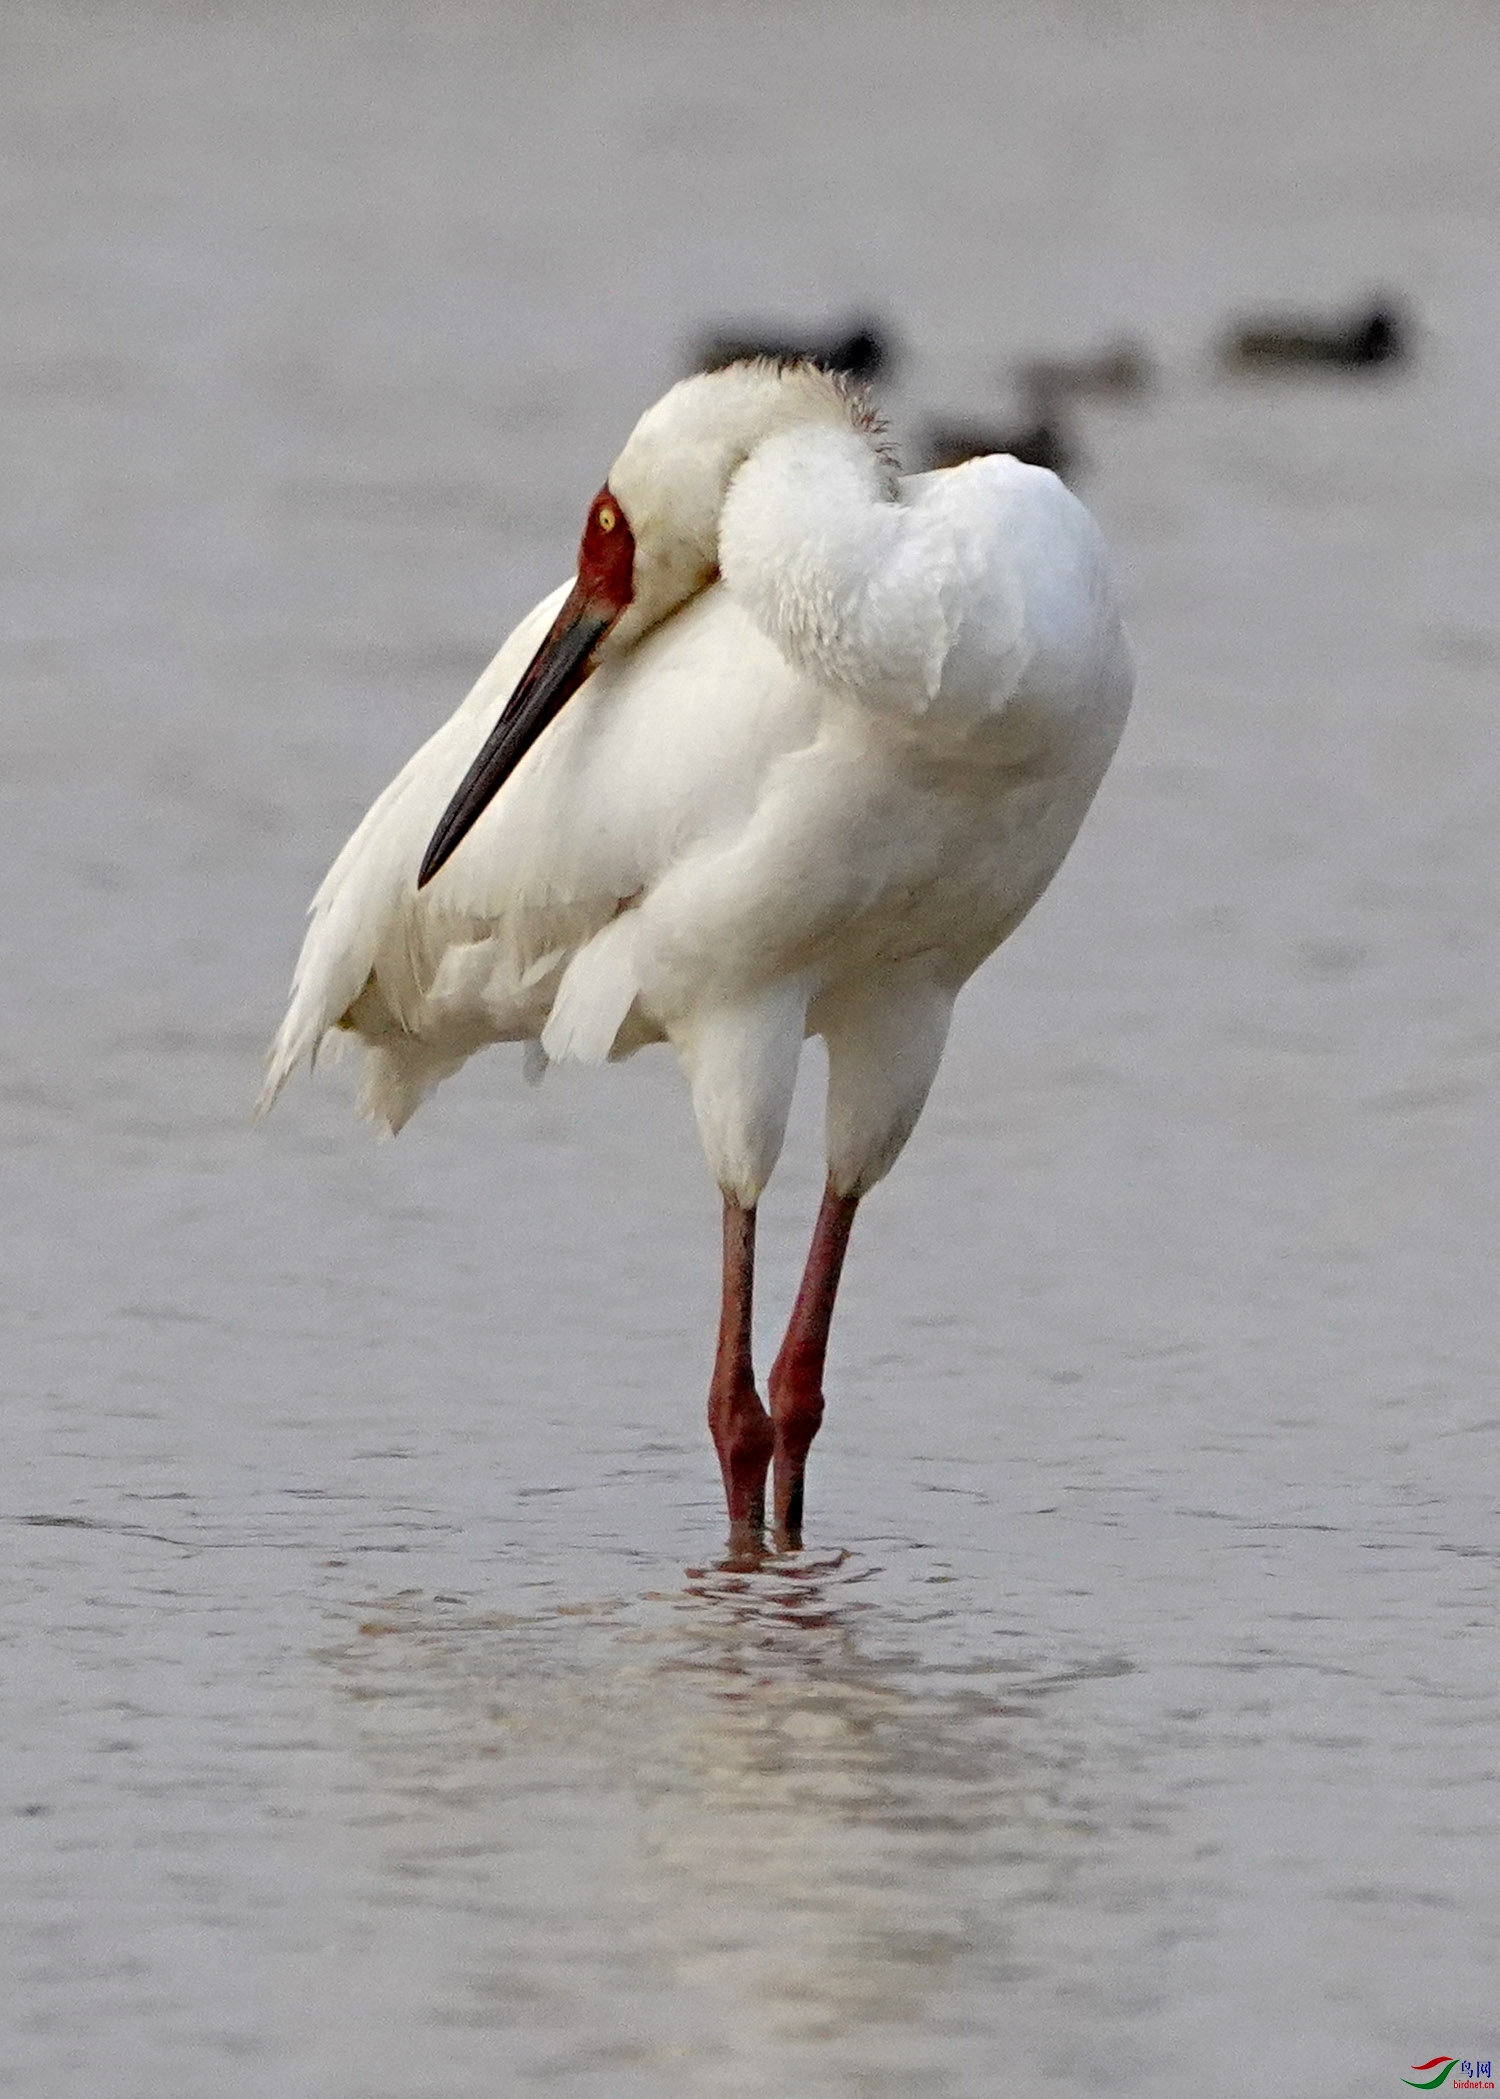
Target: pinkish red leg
column 797, row 1375
column 740, row 1425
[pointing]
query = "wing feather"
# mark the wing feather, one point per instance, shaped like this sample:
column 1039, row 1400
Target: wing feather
column 370, row 926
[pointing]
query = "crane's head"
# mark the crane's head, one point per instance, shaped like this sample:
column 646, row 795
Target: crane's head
column 650, row 543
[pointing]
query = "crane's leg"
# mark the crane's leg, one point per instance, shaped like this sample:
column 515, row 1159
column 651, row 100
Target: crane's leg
column 739, row 1424
column 884, row 1041
column 741, row 1061
column 797, row 1375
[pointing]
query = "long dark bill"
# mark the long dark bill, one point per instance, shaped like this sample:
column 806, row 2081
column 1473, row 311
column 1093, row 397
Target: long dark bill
column 549, row 681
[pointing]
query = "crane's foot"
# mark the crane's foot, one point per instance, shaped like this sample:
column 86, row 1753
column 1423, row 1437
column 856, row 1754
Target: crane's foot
column 744, row 1438
column 796, row 1412
column 744, row 1467
column 787, row 1535
column 745, row 1552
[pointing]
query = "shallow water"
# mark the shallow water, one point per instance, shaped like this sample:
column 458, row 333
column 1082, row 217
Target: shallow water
column 378, row 1725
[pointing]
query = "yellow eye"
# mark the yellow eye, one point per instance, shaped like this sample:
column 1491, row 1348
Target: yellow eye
column 606, row 518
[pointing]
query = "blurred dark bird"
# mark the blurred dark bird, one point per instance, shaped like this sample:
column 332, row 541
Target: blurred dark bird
column 1122, row 367
column 1376, row 334
column 1044, row 441
column 863, row 352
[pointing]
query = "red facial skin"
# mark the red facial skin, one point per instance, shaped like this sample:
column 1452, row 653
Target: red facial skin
column 606, row 555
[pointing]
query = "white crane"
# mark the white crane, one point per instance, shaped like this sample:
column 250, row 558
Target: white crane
column 795, row 751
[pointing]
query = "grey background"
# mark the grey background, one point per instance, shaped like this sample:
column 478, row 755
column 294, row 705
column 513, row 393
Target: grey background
column 1129, row 1725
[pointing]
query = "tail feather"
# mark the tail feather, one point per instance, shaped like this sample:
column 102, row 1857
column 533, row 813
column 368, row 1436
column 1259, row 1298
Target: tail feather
column 300, row 1035
column 597, row 991
column 398, row 1076
column 335, row 965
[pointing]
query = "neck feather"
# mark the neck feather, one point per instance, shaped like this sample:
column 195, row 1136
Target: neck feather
column 836, row 572
column 686, row 453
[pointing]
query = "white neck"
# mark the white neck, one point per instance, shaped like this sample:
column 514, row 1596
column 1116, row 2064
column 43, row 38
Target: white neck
column 686, row 452
column 834, row 570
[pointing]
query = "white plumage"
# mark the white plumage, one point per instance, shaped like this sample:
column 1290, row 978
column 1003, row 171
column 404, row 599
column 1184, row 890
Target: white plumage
column 835, row 741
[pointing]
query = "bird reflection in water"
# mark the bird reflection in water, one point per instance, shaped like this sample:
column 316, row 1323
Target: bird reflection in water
column 775, row 1816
